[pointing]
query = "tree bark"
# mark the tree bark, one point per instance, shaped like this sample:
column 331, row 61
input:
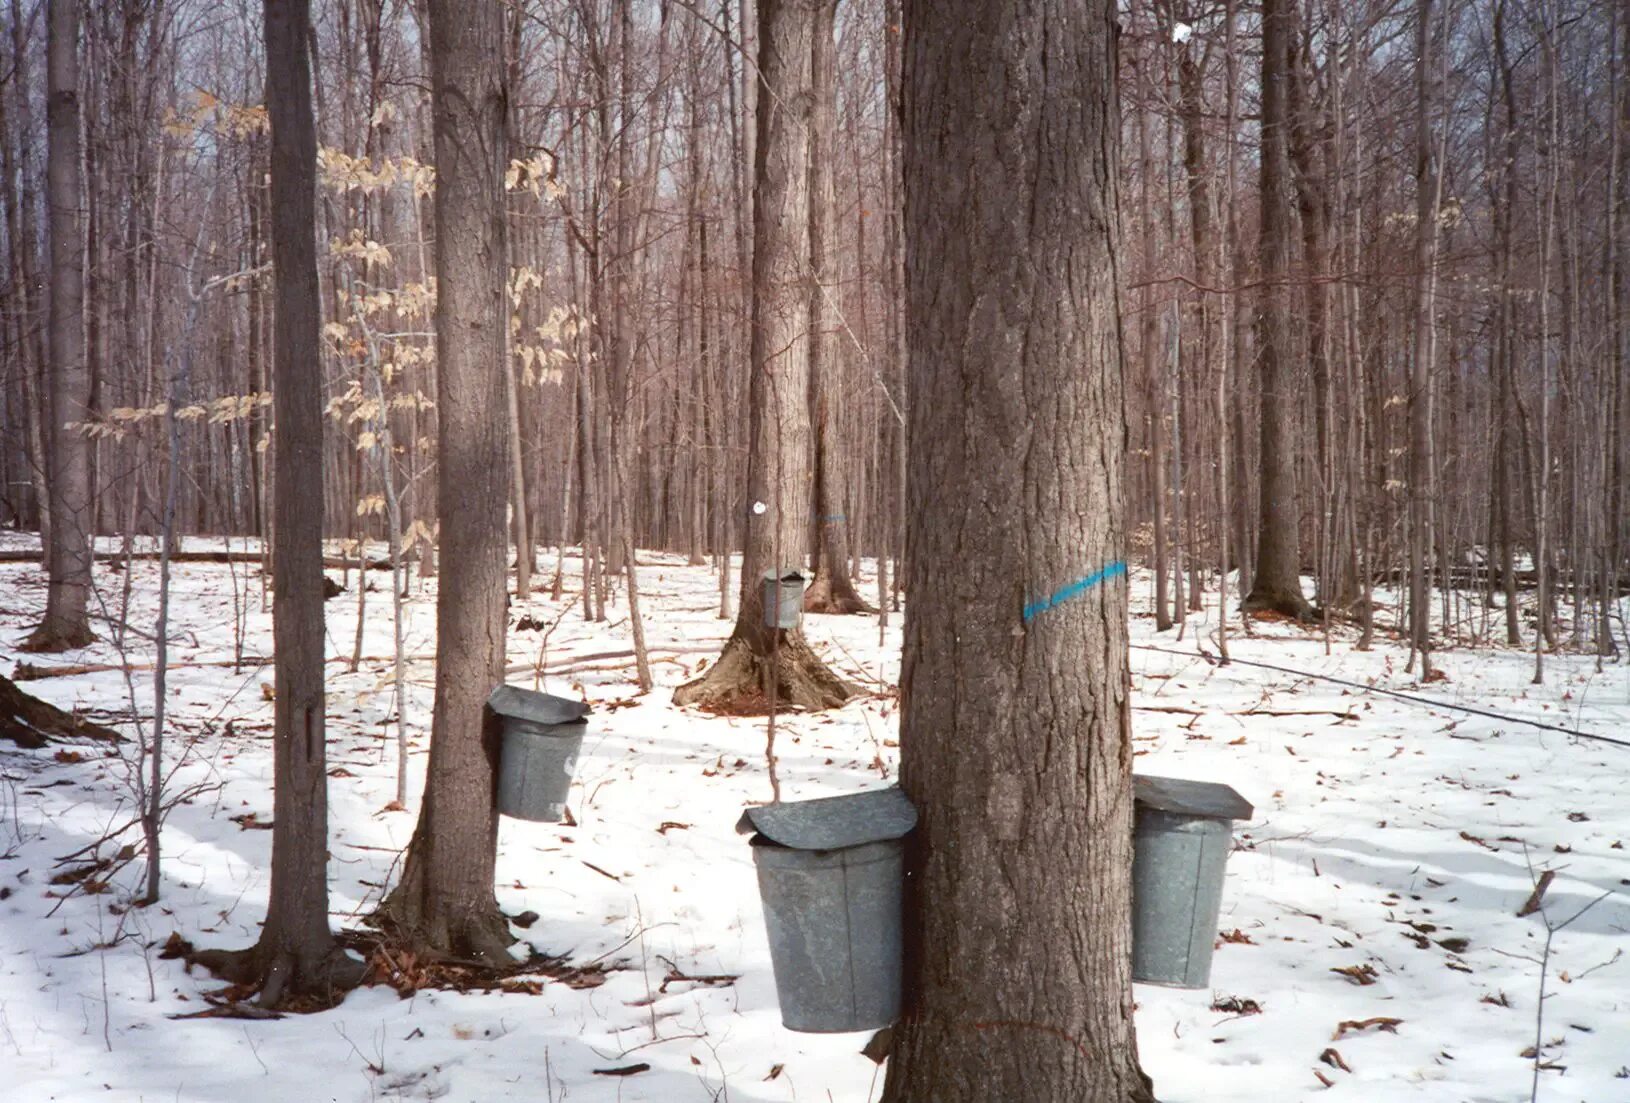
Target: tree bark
column 445, row 902
column 761, row 664
column 1015, row 736
column 32, row 353
column 296, row 956
column 1420, row 390
column 832, row 591
column 1504, row 212
column 1276, row 584
column 66, row 623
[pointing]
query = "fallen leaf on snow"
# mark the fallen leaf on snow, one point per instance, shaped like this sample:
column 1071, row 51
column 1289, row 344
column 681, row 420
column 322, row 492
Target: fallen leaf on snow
column 1358, row 974
column 1379, row 1022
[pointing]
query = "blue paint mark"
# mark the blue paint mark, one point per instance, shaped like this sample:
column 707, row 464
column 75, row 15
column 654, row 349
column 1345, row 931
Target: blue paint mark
column 1074, row 589
column 834, row 517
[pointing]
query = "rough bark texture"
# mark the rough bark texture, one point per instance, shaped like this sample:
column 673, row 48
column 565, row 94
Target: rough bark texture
column 832, row 591
column 445, row 903
column 296, row 957
column 1276, row 584
column 1015, row 740
column 779, row 449
column 69, row 470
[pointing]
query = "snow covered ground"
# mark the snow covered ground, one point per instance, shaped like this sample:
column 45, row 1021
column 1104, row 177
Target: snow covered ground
column 1392, row 847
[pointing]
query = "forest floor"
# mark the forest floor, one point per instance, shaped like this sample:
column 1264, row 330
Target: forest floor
column 1371, row 940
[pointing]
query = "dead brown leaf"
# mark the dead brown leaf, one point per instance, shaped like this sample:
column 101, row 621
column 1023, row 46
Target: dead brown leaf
column 1358, row 974
column 1334, row 1060
column 1378, row 1022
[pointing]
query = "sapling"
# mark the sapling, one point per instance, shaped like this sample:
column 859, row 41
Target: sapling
column 1536, row 905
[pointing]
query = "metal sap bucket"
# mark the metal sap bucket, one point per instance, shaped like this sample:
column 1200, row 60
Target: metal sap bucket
column 831, row 873
column 1183, row 835
column 541, row 737
column 783, row 598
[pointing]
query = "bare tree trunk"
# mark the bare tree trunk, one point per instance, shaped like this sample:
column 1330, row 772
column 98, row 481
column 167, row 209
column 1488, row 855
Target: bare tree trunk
column 1617, row 199
column 22, row 324
column 296, row 956
column 1276, row 584
column 1015, row 736
column 34, row 355
column 66, row 623
column 1505, row 209
column 445, row 902
column 1545, row 584
column 522, row 527
column 1306, row 131
column 760, row 664
column 1420, row 400
column 832, row 591
column 1154, row 377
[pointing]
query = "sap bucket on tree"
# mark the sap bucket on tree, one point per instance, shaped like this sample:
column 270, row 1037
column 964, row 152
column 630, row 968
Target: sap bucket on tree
column 1184, row 833
column 541, row 737
column 831, row 873
column 783, row 598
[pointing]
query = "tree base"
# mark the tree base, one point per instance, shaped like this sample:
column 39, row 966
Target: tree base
column 285, row 980
column 474, row 933
column 1286, row 603
column 739, row 682
column 836, row 597
column 48, row 639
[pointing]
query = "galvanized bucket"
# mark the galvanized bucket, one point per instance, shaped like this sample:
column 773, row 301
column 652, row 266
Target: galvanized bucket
column 831, row 873
column 541, row 738
column 783, row 598
column 1181, row 847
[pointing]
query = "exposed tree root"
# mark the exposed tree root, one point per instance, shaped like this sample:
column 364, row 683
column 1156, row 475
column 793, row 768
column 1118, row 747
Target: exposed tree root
column 282, row 979
column 472, row 931
column 404, row 968
column 46, row 640
column 739, row 682
column 1289, row 604
column 834, row 595
column 32, row 723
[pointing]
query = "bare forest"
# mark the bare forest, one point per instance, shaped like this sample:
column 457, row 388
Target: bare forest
column 953, row 398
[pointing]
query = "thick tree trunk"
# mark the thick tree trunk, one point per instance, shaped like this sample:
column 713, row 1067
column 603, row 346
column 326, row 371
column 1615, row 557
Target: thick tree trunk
column 445, row 903
column 1015, row 739
column 1276, row 584
column 761, row 664
column 69, row 473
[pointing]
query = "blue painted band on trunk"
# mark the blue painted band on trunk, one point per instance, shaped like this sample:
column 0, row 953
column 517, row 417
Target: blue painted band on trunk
column 1074, row 589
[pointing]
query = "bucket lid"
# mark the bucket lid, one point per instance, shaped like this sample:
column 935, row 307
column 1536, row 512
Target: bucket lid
column 1183, row 797
column 786, row 574
column 833, row 823
column 538, row 708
